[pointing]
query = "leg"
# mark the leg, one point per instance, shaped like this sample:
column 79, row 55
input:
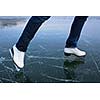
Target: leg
column 75, row 31
column 18, row 50
column 29, row 32
column 71, row 43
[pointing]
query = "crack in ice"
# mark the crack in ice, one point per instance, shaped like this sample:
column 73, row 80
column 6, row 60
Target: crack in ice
column 59, row 79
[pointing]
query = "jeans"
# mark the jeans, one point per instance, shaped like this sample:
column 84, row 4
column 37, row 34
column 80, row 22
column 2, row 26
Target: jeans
column 75, row 31
column 36, row 21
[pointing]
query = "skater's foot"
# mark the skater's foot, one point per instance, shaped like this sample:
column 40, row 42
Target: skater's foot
column 17, row 57
column 74, row 51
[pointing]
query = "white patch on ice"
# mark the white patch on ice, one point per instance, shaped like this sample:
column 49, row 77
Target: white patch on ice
column 2, row 59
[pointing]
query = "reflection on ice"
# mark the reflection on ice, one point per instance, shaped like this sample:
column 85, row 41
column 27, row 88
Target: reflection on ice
column 70, row 67
column 12, row 21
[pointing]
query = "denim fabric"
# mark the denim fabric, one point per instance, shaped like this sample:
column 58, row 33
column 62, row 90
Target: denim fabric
column 36, row 21
column 30, row 30
column 75, row 31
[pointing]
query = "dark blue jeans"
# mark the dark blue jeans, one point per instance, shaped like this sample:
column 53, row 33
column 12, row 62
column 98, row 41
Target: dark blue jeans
column 36, row 21
column 75, row 31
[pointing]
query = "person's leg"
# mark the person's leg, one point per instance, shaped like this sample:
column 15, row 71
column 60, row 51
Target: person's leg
column 19, row 49
column 75, row 32
column 29, row 31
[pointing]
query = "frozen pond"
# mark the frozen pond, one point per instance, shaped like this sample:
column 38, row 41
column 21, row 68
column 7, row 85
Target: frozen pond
column 45, row 61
